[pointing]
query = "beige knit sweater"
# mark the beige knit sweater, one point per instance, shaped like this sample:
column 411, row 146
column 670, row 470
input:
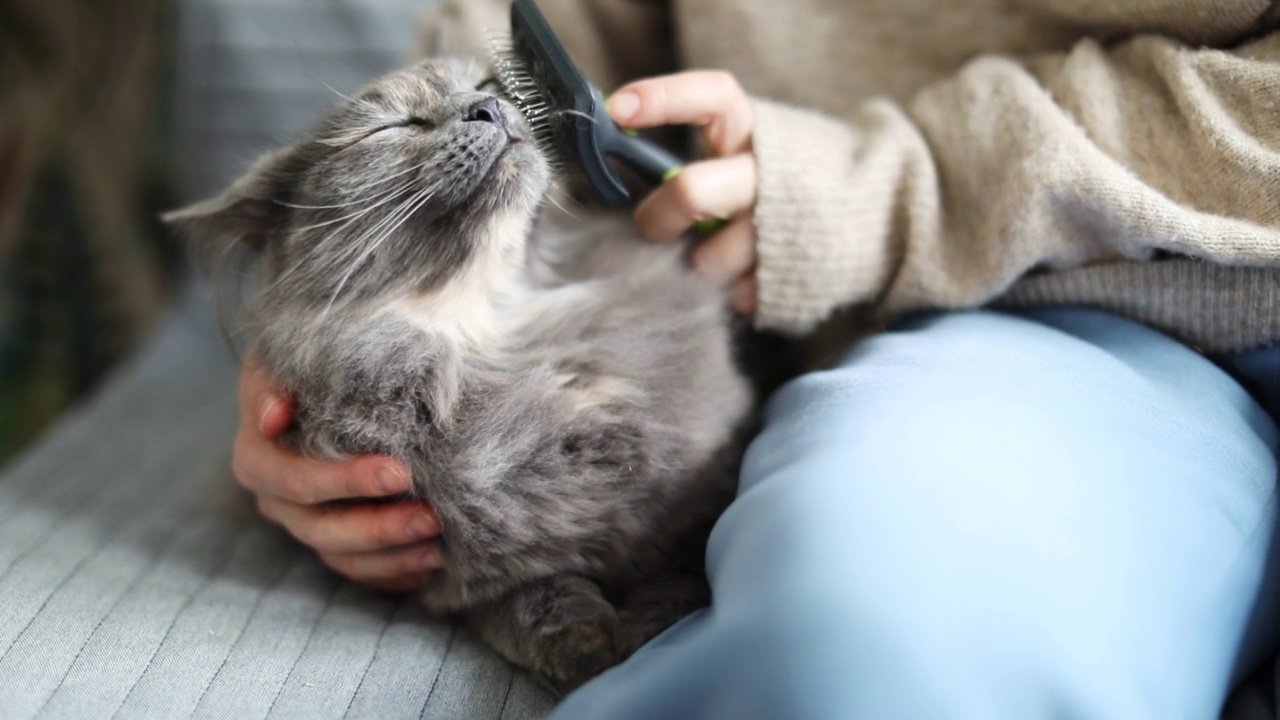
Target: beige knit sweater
column 951, row 153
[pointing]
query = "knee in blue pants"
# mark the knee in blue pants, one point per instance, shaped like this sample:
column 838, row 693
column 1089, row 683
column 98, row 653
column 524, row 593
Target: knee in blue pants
column 980, row 516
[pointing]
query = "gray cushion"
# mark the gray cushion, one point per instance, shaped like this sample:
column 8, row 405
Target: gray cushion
column 250, row 75
column 136, row 581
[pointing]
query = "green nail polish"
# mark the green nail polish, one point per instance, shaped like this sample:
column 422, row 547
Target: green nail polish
column 709, row 226
column 705, row 226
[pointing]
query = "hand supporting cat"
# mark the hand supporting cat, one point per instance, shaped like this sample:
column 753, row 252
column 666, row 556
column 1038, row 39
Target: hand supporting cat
column 723, row 186
column 328, row 504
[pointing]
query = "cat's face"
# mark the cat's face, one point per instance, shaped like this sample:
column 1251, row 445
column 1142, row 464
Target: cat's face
column 418, row 178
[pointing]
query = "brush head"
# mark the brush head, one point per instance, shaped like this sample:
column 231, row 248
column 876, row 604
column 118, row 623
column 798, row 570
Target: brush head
column 564, row 110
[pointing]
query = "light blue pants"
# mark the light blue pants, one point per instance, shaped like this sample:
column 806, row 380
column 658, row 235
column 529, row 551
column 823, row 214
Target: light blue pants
column 1057, row 514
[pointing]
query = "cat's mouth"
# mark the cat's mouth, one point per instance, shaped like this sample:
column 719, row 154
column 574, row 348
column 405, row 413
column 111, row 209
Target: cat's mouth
column 514, row 160
column 516, row 135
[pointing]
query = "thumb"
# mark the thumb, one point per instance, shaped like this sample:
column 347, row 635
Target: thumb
column 275, row 412
column 710, row 99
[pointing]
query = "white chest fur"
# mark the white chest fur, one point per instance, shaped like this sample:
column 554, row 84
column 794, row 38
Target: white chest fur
column 474, row 308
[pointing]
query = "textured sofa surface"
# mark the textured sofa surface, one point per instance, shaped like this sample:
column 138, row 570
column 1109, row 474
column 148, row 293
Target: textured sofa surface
column 135, row 581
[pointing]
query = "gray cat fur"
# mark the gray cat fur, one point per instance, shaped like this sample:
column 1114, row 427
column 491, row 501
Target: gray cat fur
column 568, row 402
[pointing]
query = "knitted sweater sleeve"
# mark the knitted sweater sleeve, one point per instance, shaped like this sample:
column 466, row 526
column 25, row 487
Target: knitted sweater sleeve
column 1095, row 155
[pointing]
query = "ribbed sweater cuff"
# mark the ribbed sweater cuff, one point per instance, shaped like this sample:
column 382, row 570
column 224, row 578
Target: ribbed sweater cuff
column 818, row 247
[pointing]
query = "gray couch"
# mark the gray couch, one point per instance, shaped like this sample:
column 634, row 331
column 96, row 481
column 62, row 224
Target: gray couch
column 136, row 583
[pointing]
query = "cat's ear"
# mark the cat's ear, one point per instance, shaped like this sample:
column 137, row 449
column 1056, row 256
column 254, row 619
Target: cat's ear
column 247, row 213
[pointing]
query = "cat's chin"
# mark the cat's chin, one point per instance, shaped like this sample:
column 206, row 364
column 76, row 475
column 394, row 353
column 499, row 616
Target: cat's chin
column 520, row 175
column 514, row 160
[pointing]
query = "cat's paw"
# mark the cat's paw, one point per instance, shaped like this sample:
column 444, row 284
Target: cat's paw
column 577, row 645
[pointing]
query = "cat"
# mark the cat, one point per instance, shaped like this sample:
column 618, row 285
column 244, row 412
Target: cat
column 570, row 403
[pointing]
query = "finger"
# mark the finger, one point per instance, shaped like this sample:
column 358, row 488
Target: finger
column 743, row 295
column 264, row 405
column 387, row 566
column 275, row 412
column 711, row 99
column 717, row 188
column 266, row 468
column 730, row 253
column 354, row 528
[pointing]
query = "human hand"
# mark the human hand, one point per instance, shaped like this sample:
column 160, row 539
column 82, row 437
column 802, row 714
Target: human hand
column 721, row 187
column 389, row 546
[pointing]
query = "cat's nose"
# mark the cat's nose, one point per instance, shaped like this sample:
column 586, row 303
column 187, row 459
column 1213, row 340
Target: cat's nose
column 486, row 110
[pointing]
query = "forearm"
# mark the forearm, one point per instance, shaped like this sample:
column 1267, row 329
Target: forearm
column 1009, row 166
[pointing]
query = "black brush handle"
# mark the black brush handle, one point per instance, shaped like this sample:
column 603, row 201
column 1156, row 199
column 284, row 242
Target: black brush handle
column 591, row 136
column 652, row 162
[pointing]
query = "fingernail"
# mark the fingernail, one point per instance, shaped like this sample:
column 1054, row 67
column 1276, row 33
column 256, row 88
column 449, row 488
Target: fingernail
column 623, row 106
column 263, row 410
column 421, row 527
column 391, row 481
column 431, row 559
column 707, row 227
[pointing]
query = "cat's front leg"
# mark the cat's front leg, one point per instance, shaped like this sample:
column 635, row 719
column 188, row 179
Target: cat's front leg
column 561, row 628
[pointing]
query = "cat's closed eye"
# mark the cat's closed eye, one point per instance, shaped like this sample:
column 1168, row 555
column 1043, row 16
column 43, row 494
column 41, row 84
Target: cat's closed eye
column 413, row 123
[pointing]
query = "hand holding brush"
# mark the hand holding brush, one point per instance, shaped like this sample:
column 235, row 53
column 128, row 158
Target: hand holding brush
column 723, row 186
column 571, row 120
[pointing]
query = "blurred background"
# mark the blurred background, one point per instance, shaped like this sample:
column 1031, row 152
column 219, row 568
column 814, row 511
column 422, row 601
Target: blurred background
column 110, row 113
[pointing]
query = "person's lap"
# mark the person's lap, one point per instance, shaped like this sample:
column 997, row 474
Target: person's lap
column 982, row 515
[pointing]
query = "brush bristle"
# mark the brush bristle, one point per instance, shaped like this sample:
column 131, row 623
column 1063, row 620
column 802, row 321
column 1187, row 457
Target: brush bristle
column 519, row 84
column 536, row 101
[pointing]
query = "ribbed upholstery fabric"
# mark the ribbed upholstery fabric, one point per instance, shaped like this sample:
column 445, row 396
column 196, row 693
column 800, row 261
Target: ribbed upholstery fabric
column 135, row 581
column 252, row 73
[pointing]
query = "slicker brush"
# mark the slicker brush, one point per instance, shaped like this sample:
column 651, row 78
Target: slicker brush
column 567, row 113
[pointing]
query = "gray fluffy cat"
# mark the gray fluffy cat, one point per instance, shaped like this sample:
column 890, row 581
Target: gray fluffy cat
column 570, row 405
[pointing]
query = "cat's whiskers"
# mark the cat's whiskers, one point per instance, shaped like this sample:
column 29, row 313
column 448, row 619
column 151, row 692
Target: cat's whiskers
column 400, row 215
column 381, row 200
column 551, row 198
column 338, row 92
column 361, row 244
column 394, row 220
column 351, row 247
column 358, row 192
column 319, row 207
column 337, row 233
